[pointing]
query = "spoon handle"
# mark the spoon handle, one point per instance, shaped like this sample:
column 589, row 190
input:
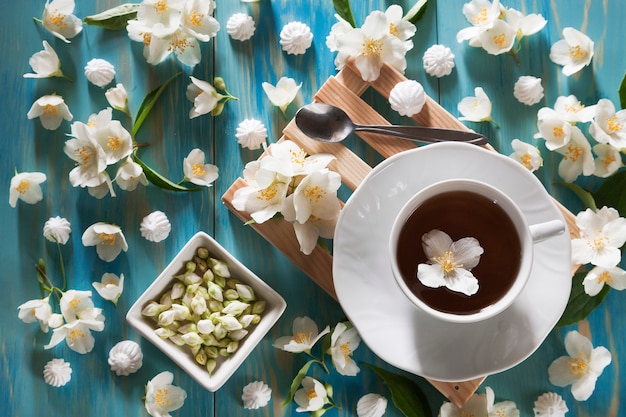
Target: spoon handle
column 425, row 134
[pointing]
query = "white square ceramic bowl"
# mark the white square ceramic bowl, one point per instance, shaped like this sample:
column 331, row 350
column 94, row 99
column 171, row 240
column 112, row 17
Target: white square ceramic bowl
column 275, row 306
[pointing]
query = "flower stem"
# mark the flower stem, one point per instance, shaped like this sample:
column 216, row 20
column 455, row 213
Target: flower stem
column 36, row 19
column 63, row 287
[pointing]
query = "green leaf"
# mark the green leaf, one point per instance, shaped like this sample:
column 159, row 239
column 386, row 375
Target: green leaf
column 115, row 18
column 297, row 381
column 416, row 12
column 159, row 180
column 580, row 304
column 612, row 193
column 148, row 103
column 585, row 196
column 622, row 93
column 406, row 395
column 343, row 9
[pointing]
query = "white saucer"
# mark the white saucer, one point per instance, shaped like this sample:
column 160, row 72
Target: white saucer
column 389, row 324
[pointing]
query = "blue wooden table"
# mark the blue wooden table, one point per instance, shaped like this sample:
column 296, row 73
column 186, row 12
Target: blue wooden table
column 170, row 134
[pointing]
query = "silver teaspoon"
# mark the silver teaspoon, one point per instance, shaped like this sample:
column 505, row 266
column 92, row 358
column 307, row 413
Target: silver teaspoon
column 327, row 123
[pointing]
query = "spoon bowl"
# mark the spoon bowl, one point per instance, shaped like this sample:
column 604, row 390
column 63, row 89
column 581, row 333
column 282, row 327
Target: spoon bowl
column 327, row 123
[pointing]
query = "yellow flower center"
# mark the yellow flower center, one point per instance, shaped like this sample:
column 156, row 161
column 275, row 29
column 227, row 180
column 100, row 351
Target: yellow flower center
column 198, row 170
column 57, row 19
column 301, row 337
column 499, row 39
column 447, row 262
column 501, row 412
column 23, row 187
column 49, row 109
column 345, row 349
column 83, row 155
column 111, row 282
column 310, row 394
column 574, row 108
column 268, row 194
column 314, row 194
column 75, row 334
column 578, row 366
column 558, row 132
column 91, row 123
column 393, row 30
column 605, row 278
column 113, row 142
column 179, row 45
column 107, row 239
column 481, row 17
column 298, row 158
column 196, row 18
column 613, row 124
column 608, row 160
column 526, row 160
column 147, row 38
column 160, row 6
column 372, row 47
column 599, row 242
column 161, row 397
column 74, row 303
column 464, row 413
column 576, row 52
column 573, row 153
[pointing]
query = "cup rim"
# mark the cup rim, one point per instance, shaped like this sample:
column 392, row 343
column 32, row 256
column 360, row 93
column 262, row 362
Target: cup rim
column 523, row 231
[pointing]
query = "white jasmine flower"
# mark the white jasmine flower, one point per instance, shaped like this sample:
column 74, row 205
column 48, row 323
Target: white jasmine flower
column 26, row 186
column 596, row 278
column 343, row 342
column 476, row 108
column 438, row 61
column 316, row 196
column 482, row 14
column 305, row 335
column 581, row 368
column 577, row 157
column 113, row 138
column 163, row 397
column 99, row 72
column 450, row 262
column 118, row 98
column 407, row 98
column 255, row 395
column 197, row 19
column 240, row 26
column 311, row 397
column 203, row 96
column 602, row 234
column 574, row 51
column 526, row 154
column 251, row 134
column 288, row 159
column 182, row 44
column 107, row 238
column 498, row 39
column 162, row 15
column 51, row 110
column 75, row 303
column 45, row 63
column 283, row 93
column 556, row 131
column 129, row 175
column 550, row 404
column 398, row 26
column 571, row 110
column 91, row 159
column 476, row 406
column 57, row 229
column 100, row 186
column 608, row 160
column 371, row 405
column 525, row 25
column 309, row 232
column 501, row 409
column 196, row 171
column 609, row 126
column 58, row 18
column 296, row 38
column 528, row 90
column 38, row 310
column 371, row 46
column 336, row 31
column 111, row 286
column 155, row 227
column 57, row 372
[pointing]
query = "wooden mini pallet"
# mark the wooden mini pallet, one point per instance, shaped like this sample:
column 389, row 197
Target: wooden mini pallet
column 344, row 90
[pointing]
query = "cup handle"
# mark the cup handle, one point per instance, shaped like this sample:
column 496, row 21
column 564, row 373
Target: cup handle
column 543, row 231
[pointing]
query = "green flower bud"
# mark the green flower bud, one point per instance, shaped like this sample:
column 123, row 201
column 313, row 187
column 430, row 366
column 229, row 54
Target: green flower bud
column 192, row 278
column 258, row 307
column 215, row 306
column 205, row 326
column 246, row 293
column 164, row 332
column 232, row 346
column 215, row 291
column 188, row 328
column 218, row 82
column 208, row 276
column 201, row 357
column 201, row 265
column 238, row 334
column 192, row 338
column 178, row 290
column 219, row 267
column 224, row 352
column 166, row 299
column 220, row 281
column 211, row 351
column 202, row 253
column 231, row 294
column 178, row 340
column 153, row 309
column 235, row 308
column 210, row 365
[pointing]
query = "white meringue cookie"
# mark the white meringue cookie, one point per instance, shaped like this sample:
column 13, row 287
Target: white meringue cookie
column 528, row 90
column 251, row 134
column 57, row 229
column 255, row 395
column 438, row 61
column 125, row 357
column 550, row 404
column 57, row 372
column 296, row 38
column 407, row 98
column 240, row 26
column 155, row 227
column 371, row 405
column 99, row 72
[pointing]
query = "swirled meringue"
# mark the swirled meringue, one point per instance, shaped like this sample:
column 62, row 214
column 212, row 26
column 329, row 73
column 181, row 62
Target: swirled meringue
column 99, row 72
column 550, row 404
column 57, row 229
column 57, row 372
column 296, row 38
column 125, row 357
column 251, row 134
column 255, row 395
column 371, row 405
column 407, row 97
column 155, row 227
column 240, row 26
column 528, row 90
column 438, row 61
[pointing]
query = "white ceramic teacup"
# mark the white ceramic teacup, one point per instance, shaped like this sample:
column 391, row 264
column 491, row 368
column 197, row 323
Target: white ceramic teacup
column 433, row 201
